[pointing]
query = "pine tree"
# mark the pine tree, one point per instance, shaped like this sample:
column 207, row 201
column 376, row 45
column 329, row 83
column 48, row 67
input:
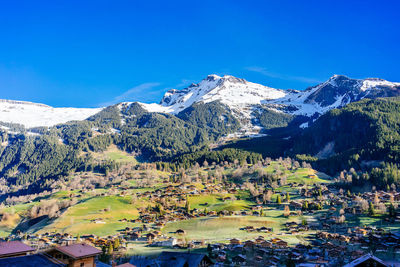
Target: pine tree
column 110, row 249
column 371, row 209
column 116, row 243
column 278, row 199
column 391, row 211
column 187, row 206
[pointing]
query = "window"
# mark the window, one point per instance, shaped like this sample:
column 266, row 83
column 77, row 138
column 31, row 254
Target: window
column 82, row 264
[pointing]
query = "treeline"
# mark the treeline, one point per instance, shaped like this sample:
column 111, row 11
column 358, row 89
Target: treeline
column 384, row 177
column 227, row 155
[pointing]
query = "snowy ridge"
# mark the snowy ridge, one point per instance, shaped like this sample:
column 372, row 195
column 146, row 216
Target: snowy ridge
column 243, row 98
column 238, row 94
column 229, row 90
column 33, row 115
column 370, row 83
column 336, row 92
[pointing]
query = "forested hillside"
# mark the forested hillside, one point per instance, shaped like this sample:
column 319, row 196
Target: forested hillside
column 55, row 152
column 361, row 132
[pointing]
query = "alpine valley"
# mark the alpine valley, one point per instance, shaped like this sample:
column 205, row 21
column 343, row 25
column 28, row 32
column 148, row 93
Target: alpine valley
column 244, row 174
column 336, row 124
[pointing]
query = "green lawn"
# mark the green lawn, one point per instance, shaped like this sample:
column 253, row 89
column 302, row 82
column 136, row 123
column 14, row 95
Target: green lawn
column 77, row 219
column 221, row 229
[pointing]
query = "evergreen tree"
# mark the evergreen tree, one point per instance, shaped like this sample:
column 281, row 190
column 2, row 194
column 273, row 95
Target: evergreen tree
column 110, row 250
column 116, row 243
column 278, row 199
column 371, row 209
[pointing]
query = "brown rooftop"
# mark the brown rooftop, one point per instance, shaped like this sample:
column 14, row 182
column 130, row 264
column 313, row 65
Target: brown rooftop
column 77, row 251
column 14, row 247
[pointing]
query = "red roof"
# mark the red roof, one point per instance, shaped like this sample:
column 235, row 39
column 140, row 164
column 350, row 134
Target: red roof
column 14, row 247
column 79, row 250
column 126, row 265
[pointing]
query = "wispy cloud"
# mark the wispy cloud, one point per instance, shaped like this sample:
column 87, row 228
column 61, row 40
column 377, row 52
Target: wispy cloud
column 185, row 83
column 270, row 74
column 135, row 93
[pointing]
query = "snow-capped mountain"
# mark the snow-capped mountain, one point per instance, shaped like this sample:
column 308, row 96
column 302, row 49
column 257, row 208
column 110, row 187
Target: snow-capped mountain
column 33, row 115
column 229, row 90
column 336, row 92
column 238, row 94
column 243, row 98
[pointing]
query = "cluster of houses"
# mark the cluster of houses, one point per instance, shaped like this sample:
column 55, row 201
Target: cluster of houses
column 326, row 249
column 19, row 254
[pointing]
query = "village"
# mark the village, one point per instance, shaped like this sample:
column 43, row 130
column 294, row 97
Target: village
column 313, row 223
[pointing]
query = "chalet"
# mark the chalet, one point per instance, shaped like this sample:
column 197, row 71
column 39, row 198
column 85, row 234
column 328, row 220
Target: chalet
column 264, row 229
column 151, row 236
column 182, row 259
column 239, row 259
column 14, row 249
column 260, row 239
column 30, row 261
column 266, row 244
column 281, row 244
column 134, row 235
column 361, row 232
column 249, row 244
column 77, row 255
column 125, row 265
column 170, row 242
column 234, row 241
column 367, row 260
column 249, row 228
column 180, row 232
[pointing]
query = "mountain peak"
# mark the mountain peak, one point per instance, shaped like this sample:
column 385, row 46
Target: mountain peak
column 229, row 90
column 339, row 77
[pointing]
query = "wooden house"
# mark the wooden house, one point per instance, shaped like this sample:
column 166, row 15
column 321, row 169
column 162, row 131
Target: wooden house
column 76, row 255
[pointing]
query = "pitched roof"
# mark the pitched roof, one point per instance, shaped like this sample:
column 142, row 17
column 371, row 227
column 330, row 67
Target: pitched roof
column 126, row 265
column 29, row 261
column 102, row 264
column 143, row 262
column 363, row 259
column 178, row 259
column 14, row 247
column 79, row 250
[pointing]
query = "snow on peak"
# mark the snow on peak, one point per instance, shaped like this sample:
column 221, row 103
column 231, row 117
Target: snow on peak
column 336, row 92
column 34, row 115
column 228, row 90
column 376, row 82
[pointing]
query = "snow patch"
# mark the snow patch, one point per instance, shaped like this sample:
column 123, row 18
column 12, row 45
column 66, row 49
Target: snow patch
column 304, row 125
column 35, row 115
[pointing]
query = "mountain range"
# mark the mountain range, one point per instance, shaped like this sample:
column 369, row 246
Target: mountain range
column 246, row 101
column 335, row 125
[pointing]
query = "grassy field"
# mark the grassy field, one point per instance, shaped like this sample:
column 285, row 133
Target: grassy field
column 221, row 229
column 113, row 153
column 78, row 219
column 109, row 210
column 143, row 249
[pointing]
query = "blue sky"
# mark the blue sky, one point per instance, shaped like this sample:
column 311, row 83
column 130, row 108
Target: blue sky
column 91, row 53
